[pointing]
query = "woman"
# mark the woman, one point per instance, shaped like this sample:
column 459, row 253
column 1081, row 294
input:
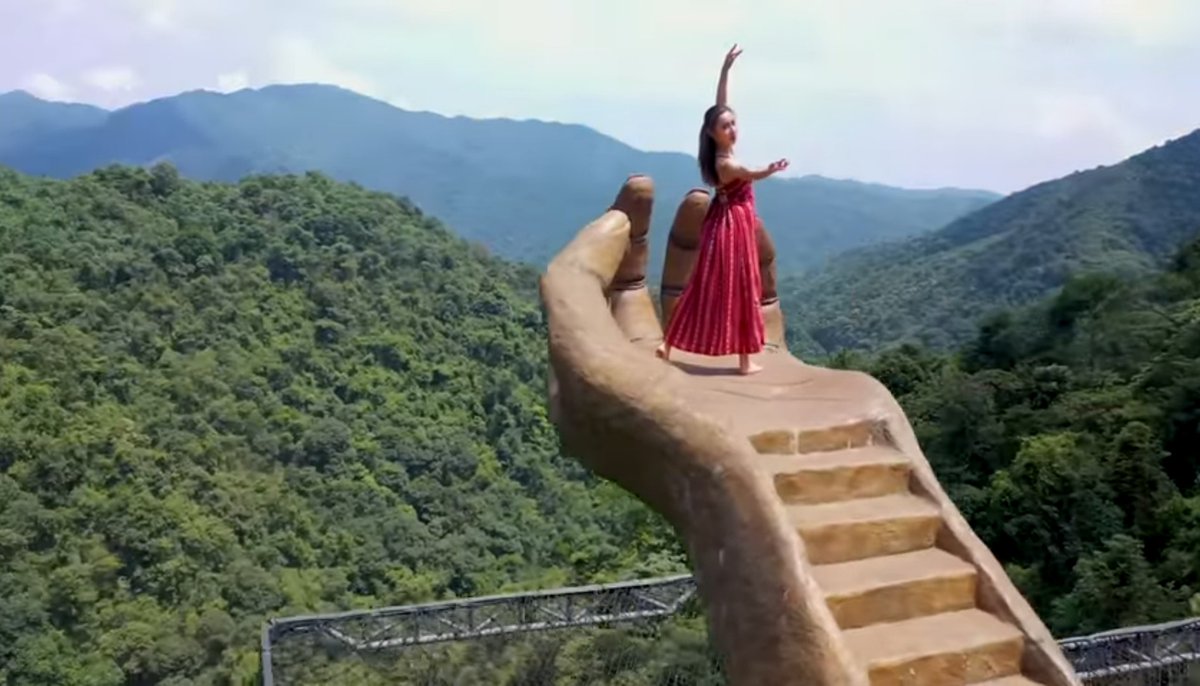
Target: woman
column 719, row 312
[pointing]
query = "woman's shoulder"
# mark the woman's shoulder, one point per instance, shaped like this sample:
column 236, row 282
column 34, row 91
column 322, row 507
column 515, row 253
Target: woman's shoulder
column 727, row 162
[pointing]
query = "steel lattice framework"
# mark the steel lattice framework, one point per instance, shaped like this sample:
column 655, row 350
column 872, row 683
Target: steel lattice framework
column 1165, row 648
column 1161, row 654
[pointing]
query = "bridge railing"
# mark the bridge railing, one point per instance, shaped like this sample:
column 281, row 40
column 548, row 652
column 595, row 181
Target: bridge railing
column 628, row 634
column 1159, row 654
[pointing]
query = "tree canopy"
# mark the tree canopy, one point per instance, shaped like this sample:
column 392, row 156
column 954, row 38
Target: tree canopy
column 221, row 403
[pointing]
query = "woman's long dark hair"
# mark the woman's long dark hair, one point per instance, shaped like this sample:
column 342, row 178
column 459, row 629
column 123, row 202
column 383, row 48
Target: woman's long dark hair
column 708, row 147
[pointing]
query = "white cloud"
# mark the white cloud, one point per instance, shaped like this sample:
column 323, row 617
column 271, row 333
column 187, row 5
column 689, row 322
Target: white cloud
column 112, row 79
column 923, row 91
column 233, row 81
column 402, row 103
column 64, row 9
column 1069, row 116
column 159, row 15
column 835, row 85
column 1144, row 22
column 295, row 59
column 47, row 87
column 206, row 19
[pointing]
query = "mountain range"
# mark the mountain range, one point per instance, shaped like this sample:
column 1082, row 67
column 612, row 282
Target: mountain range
column 1122, row 219
column 863, row 265
column 520, row 188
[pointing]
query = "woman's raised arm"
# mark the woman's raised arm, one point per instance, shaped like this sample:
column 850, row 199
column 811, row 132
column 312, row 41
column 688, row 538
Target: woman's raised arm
column 722, row 85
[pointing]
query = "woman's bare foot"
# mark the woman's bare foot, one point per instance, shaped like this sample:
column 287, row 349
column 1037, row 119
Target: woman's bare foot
column 746, row 368
column 663, row 352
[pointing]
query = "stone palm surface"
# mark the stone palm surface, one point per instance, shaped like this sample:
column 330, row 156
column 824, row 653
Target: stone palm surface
column 823, row 545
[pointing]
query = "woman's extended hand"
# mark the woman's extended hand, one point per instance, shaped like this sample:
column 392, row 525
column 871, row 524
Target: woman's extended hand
column 778, row 166
column 731, row 56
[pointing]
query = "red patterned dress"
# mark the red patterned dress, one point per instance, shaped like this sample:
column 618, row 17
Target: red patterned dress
column 719, row 312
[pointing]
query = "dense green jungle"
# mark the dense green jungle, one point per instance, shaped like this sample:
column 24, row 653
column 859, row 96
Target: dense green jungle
column 221, row 403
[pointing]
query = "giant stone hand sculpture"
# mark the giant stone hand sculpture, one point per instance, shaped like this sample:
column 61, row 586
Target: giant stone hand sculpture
column 824, row 547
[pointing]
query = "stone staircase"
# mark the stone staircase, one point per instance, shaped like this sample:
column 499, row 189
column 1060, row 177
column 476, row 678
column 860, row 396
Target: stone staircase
column 913, row 596
column 908, row 609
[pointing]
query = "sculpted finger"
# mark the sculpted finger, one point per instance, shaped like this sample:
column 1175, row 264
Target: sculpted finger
column 632, row 307
column 771, row 310
column 597, row 378
column 682, row 247
column 595, row 252
column 572, row 290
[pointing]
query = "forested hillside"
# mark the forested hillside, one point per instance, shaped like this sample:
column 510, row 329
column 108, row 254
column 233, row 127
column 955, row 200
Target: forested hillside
column 1067, row 433
column 220, row 403
column 934, row 289
column 521, row 188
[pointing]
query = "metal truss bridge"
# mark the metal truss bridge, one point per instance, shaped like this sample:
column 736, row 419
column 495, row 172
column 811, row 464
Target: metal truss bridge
column 632, row 633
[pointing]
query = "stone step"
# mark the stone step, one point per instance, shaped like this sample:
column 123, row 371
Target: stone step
column 867, row 527
column 853, row 434
column 839, row 475
column 1009, row 681
column 897, row 587
column 949, row 649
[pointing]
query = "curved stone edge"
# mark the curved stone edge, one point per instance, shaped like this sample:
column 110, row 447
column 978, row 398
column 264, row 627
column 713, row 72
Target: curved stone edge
column 622, row 413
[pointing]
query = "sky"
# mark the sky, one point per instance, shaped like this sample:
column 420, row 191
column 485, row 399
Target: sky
column 995, row 94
